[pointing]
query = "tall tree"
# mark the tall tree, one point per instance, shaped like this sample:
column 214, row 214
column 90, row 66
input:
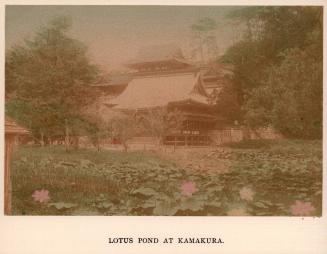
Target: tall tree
column 124, row 127
column 204, row 39
column 277, row 62
column 47, row 81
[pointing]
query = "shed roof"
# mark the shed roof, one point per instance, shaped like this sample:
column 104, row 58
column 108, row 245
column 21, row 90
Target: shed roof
column 160, row 90
column 11, row 127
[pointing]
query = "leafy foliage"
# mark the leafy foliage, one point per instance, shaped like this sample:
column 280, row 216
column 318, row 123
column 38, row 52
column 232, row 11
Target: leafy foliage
column 86, row 182
column 277, row 62
column 226, row 103
column 47, row 80
column 291, row 98
column 160, row 121
column 204, row 39
column 204, row 25
column 125, row 127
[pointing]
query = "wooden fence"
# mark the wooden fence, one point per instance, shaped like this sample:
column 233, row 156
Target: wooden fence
column 232, row 135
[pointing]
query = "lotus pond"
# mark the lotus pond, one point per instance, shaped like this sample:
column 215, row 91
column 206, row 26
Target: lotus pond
column 279, row 178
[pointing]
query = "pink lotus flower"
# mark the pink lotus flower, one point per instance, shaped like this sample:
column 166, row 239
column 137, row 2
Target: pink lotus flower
column 41, row 196
column 188, row 188
column 302, row 208
column 246, row 194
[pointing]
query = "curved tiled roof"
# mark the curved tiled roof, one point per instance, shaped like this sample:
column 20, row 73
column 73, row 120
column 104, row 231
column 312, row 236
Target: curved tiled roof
column 160, row 90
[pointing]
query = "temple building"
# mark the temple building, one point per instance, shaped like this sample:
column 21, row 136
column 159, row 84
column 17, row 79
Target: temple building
column 162, row 77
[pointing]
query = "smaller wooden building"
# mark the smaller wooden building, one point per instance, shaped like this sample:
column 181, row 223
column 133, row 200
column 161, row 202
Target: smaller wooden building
column 12, row 131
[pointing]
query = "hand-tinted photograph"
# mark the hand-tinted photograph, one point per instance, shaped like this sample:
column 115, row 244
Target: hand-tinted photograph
column 163, row 110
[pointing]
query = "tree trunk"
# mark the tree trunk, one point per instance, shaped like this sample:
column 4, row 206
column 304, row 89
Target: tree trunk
column 160, row 143
column 66, row 136
column 98, row 145
column 125, row 146
column 42, row 138
column 246, row 134
column 201, row 49
column 76, row 142
column 256, row 133
column 174, row 143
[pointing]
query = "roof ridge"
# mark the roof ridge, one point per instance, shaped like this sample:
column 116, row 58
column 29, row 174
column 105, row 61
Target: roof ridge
column 164, row 75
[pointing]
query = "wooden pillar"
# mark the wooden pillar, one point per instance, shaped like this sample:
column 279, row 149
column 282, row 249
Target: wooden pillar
column 9, row 143
column 174, row 142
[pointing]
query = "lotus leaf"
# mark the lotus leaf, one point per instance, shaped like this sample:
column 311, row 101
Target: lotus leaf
column 144, row 191
column 165, row 207
column 62, row 205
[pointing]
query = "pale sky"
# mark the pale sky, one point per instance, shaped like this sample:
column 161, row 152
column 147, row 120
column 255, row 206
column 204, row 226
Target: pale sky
column 113, row 34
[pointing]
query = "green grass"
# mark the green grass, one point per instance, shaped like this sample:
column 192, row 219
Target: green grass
column 140, row 183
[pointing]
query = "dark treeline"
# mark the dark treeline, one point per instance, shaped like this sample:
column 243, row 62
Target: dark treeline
column 278, row 69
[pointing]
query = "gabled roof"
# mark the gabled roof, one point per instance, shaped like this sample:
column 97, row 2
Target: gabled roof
column 113, row 80
column 160, row 90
